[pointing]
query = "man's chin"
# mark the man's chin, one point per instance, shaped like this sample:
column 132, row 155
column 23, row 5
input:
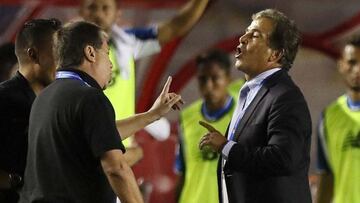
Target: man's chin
column 355, row 89
column 238, row 65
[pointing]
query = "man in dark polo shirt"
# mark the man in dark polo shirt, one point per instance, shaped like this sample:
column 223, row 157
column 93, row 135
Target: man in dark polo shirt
column 33, row 48
column 75, row 151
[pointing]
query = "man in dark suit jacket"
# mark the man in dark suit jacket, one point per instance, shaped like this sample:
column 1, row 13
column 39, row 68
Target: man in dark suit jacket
column 265, row 157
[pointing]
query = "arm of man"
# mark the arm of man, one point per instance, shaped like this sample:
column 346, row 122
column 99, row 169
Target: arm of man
column 6, row 119
column 133, row 155
column 186, row 18
column 120, row 176
column 161, row 106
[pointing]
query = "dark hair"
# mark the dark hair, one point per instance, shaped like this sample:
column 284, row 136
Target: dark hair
column 285, row 37
column 33, row 34
column 71, row 40
column 354, row 40
column 215, row 56
column 7, row 60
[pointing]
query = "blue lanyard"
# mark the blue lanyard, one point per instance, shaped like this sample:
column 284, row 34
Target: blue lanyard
column 219, row 113
column 70, row 75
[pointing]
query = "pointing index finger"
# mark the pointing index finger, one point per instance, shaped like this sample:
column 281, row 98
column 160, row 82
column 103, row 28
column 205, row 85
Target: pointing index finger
column 167, row 86
column 207, row 126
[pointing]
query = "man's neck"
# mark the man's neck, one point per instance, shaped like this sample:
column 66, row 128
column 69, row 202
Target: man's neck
column 250, row 76
column 212, row 107
column 30, row 76
column 354, row 95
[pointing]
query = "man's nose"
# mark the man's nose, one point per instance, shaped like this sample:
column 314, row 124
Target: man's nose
column 97, row 15
column 209, row 84
column 243, row 39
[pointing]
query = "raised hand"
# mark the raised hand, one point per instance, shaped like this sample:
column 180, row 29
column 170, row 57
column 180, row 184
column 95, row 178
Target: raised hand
column 166, row 100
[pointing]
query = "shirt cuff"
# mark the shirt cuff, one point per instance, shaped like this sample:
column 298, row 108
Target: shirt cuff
column 226, row 150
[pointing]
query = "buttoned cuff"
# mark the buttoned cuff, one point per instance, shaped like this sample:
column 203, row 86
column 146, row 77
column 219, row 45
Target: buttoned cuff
column 226, row 150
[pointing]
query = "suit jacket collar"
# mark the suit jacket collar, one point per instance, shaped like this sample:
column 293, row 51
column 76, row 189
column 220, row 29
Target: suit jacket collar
column 268, row 83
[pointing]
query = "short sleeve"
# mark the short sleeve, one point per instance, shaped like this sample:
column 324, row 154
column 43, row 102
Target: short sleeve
column 98, row 123
column 145, row 41
column 143, row 33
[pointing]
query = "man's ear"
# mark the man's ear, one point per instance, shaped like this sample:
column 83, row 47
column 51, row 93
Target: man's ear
column 276, row 56
column 33, row 54
column 89, row 53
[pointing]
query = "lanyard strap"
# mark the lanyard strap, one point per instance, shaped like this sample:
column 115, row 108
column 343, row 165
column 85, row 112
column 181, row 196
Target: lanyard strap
column 70, row 75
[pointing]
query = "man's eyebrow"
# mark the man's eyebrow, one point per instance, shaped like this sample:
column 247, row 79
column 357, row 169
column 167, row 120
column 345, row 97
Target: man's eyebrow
column 252, row 30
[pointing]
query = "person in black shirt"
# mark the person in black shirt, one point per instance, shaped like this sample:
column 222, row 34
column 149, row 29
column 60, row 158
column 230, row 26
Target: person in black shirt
column 8, row 61
column 33, row 48
column 75, row 151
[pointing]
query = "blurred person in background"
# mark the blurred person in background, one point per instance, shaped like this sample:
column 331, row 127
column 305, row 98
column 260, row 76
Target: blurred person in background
column 129, row 45
column 8, row 61
column 33, row 48
column 197, row 168
column 339, row 135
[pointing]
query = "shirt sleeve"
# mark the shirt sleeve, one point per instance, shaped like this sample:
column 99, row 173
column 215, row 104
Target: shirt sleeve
column 143, row 33
column 98, row 122
column 226, row 150
column 145, row 41
column 322, row 164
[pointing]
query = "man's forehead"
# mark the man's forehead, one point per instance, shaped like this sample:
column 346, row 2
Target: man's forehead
column 264, row 25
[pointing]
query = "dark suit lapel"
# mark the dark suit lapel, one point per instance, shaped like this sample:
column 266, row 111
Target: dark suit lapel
column 270, row 81
column 250, row 110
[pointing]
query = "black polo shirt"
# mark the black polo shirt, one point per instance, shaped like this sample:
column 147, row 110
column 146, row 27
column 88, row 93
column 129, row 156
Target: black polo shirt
column 16, row 98
column 71, row 126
